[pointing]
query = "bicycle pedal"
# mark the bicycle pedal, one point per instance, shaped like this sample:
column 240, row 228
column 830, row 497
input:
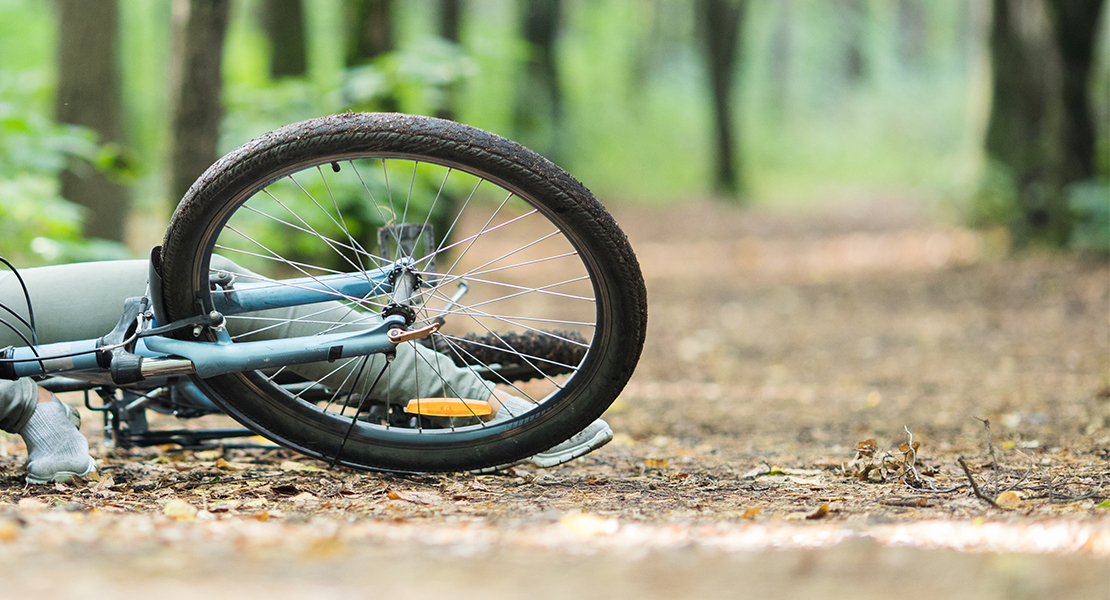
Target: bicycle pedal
column 448, row 407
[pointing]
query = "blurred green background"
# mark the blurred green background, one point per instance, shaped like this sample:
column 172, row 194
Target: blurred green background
column 829, row 101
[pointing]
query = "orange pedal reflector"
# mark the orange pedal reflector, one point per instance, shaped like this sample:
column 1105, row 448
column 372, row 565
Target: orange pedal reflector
column 448, row 407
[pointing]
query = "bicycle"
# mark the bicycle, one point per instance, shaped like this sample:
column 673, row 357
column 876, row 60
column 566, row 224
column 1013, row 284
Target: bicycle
column 314, row 277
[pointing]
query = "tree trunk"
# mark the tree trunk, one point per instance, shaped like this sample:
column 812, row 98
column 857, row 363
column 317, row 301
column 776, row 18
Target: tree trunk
column 1075, row 25
column 89, row 95
column 450, row 12
column 1040, row 129
column 199, row 27
column 853, row 18
column 782, row 58
column 370, row 35
column 721, row 21
column 283, row 21
column 539, row 105
column 911, row 33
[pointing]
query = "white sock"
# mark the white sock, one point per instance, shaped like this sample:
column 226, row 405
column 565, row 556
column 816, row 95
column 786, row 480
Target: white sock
column 56, row 451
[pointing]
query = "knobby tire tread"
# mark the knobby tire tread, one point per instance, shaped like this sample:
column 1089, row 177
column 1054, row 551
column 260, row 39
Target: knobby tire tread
column 261, row 161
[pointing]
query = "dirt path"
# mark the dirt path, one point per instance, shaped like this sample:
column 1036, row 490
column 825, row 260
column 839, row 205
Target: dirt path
column 777, row 345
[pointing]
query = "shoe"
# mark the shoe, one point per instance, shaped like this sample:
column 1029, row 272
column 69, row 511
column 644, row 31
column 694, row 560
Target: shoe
column 60, row 476
column 74, row 462
column 594, row 436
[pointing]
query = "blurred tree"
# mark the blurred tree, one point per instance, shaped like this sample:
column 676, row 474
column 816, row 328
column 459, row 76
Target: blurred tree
column 195, row 83
column 853, row 18
column 720, row 23
column 1075, row 23
column 782, row 50
column 449, row 17
column 538, row 118
column 283, row 22
column 89, row 95
column 370, row 36
column 1040, row 136
column 911, row 33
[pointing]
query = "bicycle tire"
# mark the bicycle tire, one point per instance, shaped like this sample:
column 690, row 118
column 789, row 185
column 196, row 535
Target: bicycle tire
column 543, row 195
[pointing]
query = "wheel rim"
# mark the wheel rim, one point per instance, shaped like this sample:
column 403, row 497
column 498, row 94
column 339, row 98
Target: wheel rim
column 524, row 274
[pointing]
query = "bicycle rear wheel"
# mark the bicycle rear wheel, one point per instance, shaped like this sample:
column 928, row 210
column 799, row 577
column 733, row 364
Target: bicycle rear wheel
column 505, row 245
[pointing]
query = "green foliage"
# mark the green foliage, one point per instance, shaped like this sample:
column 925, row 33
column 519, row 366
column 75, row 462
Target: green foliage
column 995, row 202
column 1089, row 202
column 36, row 224
column 636, row 115
column 418, row 77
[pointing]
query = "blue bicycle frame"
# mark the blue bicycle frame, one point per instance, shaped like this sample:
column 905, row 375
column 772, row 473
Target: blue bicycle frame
column 161, row 356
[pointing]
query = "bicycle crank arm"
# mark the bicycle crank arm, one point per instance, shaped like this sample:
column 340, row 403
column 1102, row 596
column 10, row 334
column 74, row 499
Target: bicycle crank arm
column 398, row 335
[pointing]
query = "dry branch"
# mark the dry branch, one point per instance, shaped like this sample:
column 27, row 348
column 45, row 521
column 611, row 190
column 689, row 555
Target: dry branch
column 974, row 486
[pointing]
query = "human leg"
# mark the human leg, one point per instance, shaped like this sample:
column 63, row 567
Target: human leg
column 71, row 302
column 96, row 293
column 56, row 450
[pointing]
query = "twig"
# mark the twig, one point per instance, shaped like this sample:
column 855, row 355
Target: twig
column 990, row 450
column 918, row 502
column 1019, row 481
column 1053, row 496
column 934, row 489
column 912, row 451
column 974, row 486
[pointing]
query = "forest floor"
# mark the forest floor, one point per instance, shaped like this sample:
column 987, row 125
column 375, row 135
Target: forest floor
column 763, row 446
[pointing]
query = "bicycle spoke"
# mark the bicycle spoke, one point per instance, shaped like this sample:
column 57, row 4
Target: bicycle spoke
column 507, row 278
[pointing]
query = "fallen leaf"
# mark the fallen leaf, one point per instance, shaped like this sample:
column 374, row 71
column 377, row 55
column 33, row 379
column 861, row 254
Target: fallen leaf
column 223, row 506
column 425, row 498
column 821, row 512
column 655, row 463
column 287, row 489
column 801, row 472
column 180, row 510
column 756, row 472
column 9, row 530
column 904, row 447
column 290, row 465
column 1008, row 498
column 751, row 512
column 226, row 466
column 103, row 483
column 304, row 498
